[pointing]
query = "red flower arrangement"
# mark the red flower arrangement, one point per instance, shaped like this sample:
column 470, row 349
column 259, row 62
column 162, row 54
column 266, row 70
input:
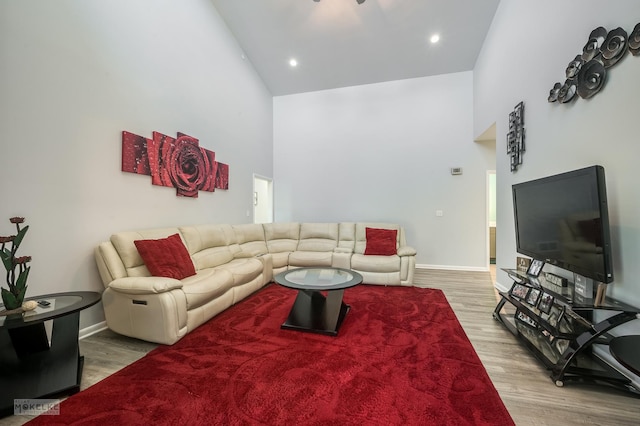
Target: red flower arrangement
column 17, row 269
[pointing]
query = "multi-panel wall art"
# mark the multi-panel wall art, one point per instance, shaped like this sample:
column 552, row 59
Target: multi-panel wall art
column 515, row 136
column 179, row 163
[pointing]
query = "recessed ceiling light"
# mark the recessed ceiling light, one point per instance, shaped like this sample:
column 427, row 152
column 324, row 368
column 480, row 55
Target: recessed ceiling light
column 434, row 38
column 293, row 62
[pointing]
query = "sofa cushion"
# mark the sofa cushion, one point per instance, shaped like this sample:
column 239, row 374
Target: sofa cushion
column 123, row 242
column 318, row 237
column 310, row 258
column 280, row 260
column 347, row 235
column 209, row 245
column 381, row 242
column 281, row 237
column 166, row 257
column 205, row 286
column 369, row 263
column 243, row 270
column 250, row 238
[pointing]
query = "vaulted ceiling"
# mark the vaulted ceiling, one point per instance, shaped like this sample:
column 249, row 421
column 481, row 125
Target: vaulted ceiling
column 339, row 43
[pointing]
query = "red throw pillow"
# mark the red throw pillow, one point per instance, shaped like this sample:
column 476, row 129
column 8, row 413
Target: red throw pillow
column 381, row 242
column 166, row 257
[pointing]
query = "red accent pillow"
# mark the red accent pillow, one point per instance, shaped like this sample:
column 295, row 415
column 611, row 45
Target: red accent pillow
column 381, row 242
column 166, row 257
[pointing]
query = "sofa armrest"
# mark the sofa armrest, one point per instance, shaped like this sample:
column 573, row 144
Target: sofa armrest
column 406, row 251
column 144, row 285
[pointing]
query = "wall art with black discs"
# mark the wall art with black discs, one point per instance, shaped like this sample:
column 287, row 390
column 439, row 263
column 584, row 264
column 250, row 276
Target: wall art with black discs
column 587, row 73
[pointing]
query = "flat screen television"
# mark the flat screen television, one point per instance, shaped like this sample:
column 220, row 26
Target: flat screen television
column 563, row 220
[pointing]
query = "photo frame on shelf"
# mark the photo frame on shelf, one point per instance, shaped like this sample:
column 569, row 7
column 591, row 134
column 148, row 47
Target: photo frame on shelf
column 526, row 319
column 550, row 337
column 522, row 263
column 534, row 281
column 555, row 315
column 535, row 268
column 561, row 345
column 533, row 296
column 555, row 279
column 546, row 302
column 519, row 291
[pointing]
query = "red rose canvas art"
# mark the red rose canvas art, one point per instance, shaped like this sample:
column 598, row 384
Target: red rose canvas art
column 174, row 162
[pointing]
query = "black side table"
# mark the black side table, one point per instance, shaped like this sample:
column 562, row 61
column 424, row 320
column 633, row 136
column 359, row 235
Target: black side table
column 626, row 349
column 33, row 367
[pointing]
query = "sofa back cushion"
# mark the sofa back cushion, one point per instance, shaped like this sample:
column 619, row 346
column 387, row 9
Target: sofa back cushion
column 361, row 234
column 124, row 244
column 209, row 245
column 347, row 235
column 318, row 237
column 281, row 237
column 250, row 238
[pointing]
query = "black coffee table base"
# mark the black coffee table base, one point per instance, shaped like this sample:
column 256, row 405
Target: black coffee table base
column 313, row 312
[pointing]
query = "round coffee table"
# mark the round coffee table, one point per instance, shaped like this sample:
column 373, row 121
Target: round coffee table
column 312, row 311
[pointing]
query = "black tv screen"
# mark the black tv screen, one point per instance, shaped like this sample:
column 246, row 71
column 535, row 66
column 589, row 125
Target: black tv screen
column 563, row 220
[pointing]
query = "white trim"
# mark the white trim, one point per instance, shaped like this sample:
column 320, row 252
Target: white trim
column 501, row 287
column 454, row 268
column 488, row 209
column 92, row 329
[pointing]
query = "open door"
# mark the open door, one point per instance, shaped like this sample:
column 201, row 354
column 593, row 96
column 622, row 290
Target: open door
column 491, row 191
column 262, row 199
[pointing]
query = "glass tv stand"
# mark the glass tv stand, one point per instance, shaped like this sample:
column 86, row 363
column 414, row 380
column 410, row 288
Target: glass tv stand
column 561, row 328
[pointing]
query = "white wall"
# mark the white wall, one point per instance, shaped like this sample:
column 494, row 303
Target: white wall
column 382, row 152
column 523, row 56
column 526, row 52
column 74, row 75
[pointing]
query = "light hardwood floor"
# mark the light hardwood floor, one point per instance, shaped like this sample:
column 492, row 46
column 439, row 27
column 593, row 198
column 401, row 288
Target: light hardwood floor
column 524, row 385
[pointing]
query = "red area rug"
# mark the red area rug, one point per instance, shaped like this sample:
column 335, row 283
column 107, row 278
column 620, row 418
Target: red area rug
column 401, row 358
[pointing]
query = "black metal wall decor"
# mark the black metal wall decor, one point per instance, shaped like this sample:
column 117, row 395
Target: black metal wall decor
column 586, row 74
column 515, row 136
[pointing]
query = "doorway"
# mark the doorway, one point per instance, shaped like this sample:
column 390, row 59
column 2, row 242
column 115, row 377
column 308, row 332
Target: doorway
column 491, row 215
column 488, row 139
column 262, row 199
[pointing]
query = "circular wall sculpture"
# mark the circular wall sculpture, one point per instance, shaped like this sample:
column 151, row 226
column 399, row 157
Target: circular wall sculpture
column 586, row 74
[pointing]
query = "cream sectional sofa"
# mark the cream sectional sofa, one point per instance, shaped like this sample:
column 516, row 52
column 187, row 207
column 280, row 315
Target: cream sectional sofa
column 231, row 262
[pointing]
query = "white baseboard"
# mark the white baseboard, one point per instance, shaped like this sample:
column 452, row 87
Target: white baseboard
column 454, row 268
column 501, row 287
column 92, row 329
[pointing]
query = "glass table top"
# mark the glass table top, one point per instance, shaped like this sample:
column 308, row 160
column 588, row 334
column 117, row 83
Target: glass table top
column 319, row 278
column 59, row 304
